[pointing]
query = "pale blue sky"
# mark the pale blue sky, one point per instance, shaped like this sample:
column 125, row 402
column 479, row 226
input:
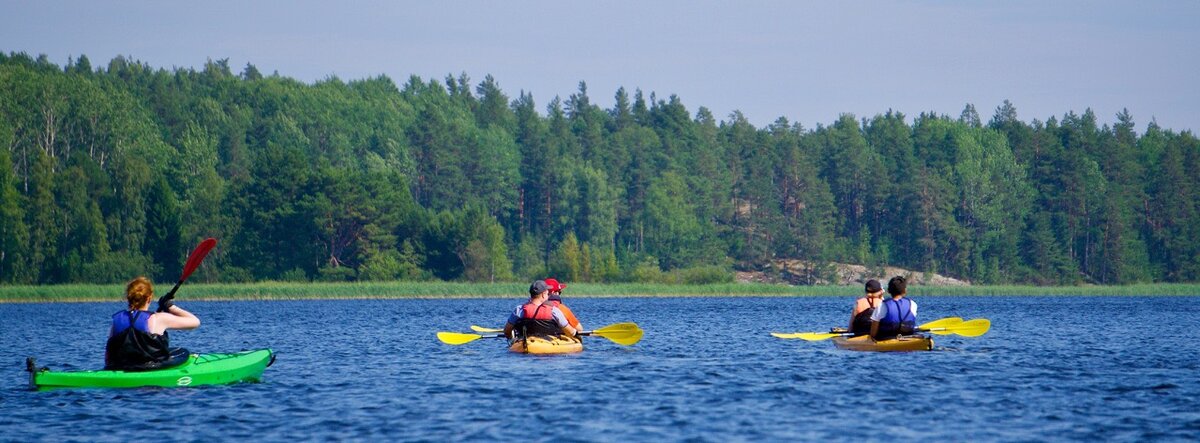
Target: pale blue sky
column 807, row 61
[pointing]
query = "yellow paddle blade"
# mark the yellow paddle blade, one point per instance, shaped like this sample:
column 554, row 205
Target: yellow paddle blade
column 483, row 329
column 624, row 338
column 618, row 327
column 456, row 338
column 941, row 323
column 972, row 328
column 936, row 326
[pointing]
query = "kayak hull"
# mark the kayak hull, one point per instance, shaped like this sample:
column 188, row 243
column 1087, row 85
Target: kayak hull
column 552, row 345
column 899, row 344
column 199, row 370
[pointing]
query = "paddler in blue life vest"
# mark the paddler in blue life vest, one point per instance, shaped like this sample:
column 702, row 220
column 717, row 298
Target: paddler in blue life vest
column 536, row 317
column 860, row 315
column 556, row 301
column 895, row 316
column 138, row 338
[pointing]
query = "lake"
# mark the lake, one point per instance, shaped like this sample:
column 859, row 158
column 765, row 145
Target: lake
column 1051, row 368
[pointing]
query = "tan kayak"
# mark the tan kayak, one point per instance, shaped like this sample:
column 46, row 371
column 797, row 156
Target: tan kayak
column 552, row 345
column 904, row 343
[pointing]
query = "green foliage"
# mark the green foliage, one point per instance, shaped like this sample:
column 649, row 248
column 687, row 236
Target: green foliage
column 122, row 266
column 567, row 260
column 14, row 235
column 117, row 169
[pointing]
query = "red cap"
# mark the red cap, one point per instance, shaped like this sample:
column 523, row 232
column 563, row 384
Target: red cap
column 554, row 285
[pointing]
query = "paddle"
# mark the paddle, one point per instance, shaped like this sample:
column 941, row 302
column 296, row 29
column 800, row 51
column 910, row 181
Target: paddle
column 625, row 334
column 970, row 328
column 190, row 266
column 458, row 338
column 935, row 327
column 613, row 327
column 943, row 327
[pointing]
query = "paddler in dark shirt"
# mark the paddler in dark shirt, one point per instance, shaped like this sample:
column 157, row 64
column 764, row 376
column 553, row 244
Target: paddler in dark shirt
column 138, row 339
column 860, row 316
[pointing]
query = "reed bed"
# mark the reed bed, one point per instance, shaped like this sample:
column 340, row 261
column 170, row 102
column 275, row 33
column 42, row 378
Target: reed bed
column 300, row 291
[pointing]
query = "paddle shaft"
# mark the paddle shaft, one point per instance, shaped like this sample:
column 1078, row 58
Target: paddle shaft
column 193, row 262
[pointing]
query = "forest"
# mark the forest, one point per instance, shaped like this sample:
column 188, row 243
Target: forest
column 108, row 172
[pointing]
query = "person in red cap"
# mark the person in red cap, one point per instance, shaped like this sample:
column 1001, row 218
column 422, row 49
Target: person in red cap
column 556, row 301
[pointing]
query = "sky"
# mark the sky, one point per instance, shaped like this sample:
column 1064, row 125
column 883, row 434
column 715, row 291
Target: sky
column 806, row 61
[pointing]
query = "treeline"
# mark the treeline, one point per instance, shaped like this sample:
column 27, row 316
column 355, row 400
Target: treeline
column 114, row 171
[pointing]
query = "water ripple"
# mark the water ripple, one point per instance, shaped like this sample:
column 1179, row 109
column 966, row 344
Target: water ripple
column 705, row 371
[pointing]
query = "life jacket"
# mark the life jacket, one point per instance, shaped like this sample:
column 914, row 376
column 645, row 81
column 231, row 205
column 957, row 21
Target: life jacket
column 538, row 320
column 131, row 346
column 898, row 320
column 862, row 321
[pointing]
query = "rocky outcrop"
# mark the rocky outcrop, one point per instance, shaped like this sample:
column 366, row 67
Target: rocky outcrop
column 805, row 273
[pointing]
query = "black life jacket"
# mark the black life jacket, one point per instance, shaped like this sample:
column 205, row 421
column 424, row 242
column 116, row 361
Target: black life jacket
column 538, row 321
column 862, row 321
column 131, row 346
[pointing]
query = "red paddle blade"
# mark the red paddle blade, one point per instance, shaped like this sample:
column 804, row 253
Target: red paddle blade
column 197, row 256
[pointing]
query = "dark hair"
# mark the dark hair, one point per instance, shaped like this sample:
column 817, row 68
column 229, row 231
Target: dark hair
column 897, row 286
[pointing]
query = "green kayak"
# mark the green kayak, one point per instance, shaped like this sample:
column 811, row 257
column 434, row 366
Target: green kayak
column 199, row 370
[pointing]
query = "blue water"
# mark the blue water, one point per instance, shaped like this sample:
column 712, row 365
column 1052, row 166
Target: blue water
column 1051, row 368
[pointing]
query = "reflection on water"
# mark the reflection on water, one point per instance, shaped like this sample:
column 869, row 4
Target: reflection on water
column 1051, row 368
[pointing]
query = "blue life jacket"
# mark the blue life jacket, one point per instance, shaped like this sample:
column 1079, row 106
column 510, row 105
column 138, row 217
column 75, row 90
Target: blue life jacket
column 131, row 346
column 121, row 321
column 899, row 318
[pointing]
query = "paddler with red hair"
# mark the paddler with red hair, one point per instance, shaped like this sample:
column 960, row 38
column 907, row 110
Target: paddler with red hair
column 137, row 339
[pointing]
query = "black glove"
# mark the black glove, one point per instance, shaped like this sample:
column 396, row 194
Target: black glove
column 165, row 302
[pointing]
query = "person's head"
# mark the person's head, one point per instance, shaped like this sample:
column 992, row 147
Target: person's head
column 873, row 288
column 897, row 286
column 555, row 288
column 538, row 290
column 138, row 293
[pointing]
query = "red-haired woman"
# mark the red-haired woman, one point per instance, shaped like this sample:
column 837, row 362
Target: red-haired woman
column 138, row 338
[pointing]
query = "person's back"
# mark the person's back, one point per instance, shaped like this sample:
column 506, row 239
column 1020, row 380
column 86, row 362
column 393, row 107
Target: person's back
column 894, row 316
column 860, row 315
column 537, row 317
column 137, row 339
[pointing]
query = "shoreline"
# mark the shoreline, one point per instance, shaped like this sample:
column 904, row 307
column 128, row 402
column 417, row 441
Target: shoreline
column 86, row 293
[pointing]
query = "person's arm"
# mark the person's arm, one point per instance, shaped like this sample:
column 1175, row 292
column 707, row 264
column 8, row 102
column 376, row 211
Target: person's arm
column 876, row 316
column 574, row 322
column 562, row 322
column 511, row 324
column 175, row 318
column 853, row 313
